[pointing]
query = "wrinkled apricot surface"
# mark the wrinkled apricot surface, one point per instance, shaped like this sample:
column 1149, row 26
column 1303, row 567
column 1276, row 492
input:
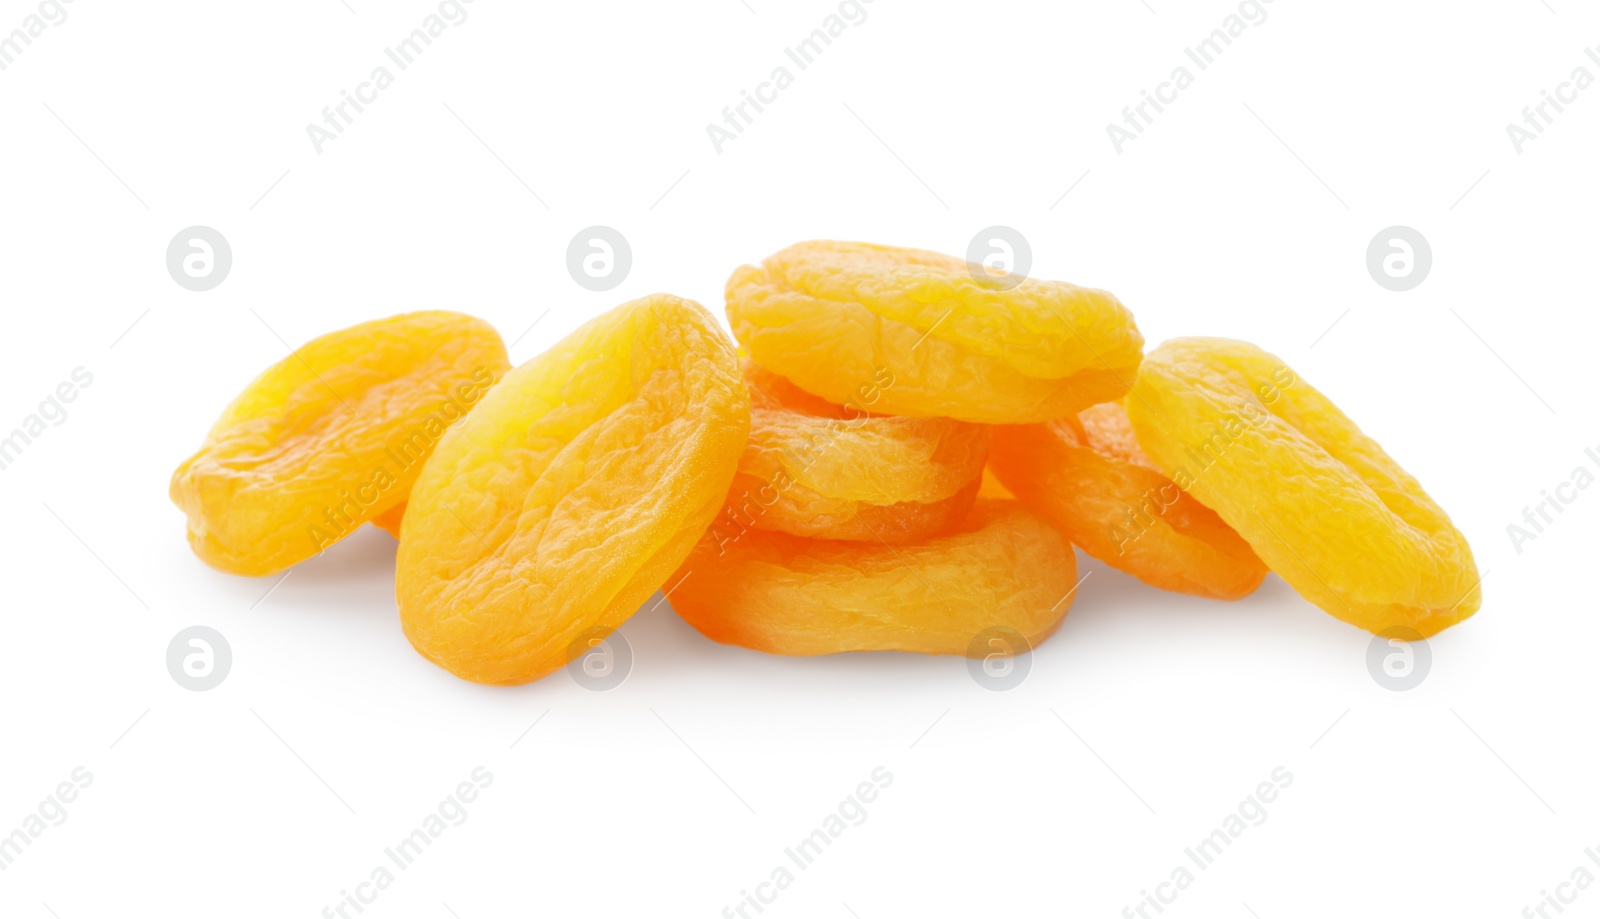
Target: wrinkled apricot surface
column 817, row 469
column 571, row 492
column 330, row 437
column 1318, row 501
column 837, row 317
column 1001, row 567
column 1087, row 475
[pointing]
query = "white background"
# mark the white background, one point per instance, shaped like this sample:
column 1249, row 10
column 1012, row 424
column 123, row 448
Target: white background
column 1245, row 210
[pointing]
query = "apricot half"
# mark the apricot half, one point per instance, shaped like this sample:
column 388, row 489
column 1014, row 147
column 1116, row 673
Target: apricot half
column 1317, row 500
column 829, row 471
column 1002, row 567
column 571, row 492
column 836, row 317
column 331, row 437
column 1086, row 474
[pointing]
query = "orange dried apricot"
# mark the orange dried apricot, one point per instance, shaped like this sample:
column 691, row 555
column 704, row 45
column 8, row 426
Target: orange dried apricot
column 1087, row 475
column 571, row 492
column 1318, row 500
column 829, row 471
column 991, row 487
column 1003, row 567
column 330, row 437
column 389, row 521
column 834, row 316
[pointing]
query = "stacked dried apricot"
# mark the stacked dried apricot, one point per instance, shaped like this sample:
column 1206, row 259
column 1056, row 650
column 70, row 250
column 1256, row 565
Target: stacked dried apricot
column 813, row 468
column 904, row 461
column 1050, row 364
column 1087, row 474
column 1001, row 567
column 835, row 316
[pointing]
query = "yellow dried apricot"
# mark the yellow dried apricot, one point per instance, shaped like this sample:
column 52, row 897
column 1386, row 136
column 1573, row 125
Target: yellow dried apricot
column 571, row 492
column 330, row 437
column 828, row 471
column 1087, row 475
column 834, row 317
column 1318, row 501
column 1003, row 567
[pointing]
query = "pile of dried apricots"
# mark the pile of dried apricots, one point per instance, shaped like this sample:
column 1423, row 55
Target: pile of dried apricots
column 903, row 457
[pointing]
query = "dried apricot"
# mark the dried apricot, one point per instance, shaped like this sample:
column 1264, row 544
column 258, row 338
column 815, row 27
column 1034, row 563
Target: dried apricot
column 834, row 317
column 1318, row 501
column 330, row 437
column 389, row 521
column 991, row 487
column 1002, row 567
column 1087, row 475
column 829, row 471
column 572, row 491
